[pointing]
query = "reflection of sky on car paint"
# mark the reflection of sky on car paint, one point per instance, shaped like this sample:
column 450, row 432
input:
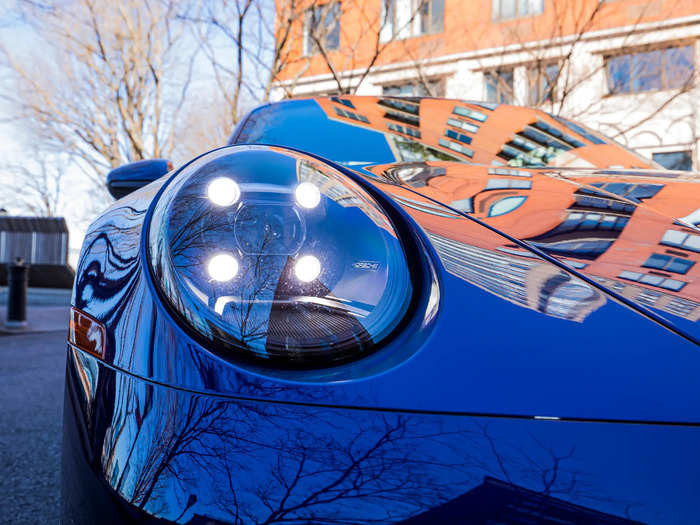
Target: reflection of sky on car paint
column 333, row 142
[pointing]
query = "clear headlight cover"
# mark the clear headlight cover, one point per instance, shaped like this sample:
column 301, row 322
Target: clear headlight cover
column 271, row 253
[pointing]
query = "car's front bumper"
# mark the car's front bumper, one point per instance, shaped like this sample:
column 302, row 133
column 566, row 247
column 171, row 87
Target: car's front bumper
column 139, row 451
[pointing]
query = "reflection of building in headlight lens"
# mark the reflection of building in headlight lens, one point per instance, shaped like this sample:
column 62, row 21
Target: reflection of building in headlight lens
column 307, row 195
column 307, row 268
column 222, row 267
column 223, row 191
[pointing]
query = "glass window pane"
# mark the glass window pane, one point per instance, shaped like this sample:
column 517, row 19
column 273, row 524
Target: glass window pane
column 496, row 184
column 332, row 23
column 507, row 8
column 654, row 280
column 521, row 184
column 672, row 284
column 464, row 205
column 680, row 265
column 674, row 238
column 631, row 276
column 619, row 74
column 491, row 82
column 437, row 15
column 644, row 191
column 675, row 160
column 608, row 222
column 678, row 66
column 646, row 70
column 505, row 205
column 657, row 261
column 692, row 243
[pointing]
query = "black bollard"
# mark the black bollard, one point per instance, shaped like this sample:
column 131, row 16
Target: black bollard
column 17, row 280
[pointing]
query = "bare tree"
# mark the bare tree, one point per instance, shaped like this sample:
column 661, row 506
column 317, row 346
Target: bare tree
column 106, row 83
column 37, row 183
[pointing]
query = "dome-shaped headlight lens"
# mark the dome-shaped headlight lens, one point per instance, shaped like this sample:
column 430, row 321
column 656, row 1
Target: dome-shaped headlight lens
column 271, row 253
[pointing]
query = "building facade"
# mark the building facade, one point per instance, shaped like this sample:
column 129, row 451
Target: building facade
column 626, row 68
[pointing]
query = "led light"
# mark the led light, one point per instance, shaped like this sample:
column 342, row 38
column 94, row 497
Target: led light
column 223, row 191
column 307, row 195
column 222, row 267
column 307, row 268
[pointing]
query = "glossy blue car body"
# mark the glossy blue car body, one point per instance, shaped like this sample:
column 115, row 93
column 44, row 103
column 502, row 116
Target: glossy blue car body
column 523, row 387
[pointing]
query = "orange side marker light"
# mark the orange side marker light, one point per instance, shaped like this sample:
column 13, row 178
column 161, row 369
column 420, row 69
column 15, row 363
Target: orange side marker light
column 86, row 333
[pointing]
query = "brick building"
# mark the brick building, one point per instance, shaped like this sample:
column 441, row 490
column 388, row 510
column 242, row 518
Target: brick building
column 623, row 67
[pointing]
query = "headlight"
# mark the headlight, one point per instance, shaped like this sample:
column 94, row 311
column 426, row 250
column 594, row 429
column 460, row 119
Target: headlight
column 269, row 253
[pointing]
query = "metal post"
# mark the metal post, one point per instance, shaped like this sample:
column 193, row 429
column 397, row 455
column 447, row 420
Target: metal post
column 17, row 280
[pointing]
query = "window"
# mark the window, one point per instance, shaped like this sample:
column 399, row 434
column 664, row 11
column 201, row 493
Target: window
column 455, row 146
column 502, row 184
column 653, row 280
column 542, row 82
column 499, row 86
column 590, row 221
column 651, row 70
column 585, row 133
column 430, row 17
column 322, row 25
column 465, row 205
column 504, row 9
column 418, row 88
column 633, row 192
column 409, row 18
column 686, row 241
column 581, row 249
column 670, row 264
column 349, row 114
column 675, row 160
column 458, row 136
column 505, row 205
column 466, row 126
column 406, row 130
column 469, row 113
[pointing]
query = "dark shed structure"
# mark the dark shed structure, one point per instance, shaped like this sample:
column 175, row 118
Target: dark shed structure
column 43, row 243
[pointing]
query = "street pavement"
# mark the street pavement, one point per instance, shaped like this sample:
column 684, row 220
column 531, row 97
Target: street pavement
column 32, row 367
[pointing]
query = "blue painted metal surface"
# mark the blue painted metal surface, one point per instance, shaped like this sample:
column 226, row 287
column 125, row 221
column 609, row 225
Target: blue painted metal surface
column 521, row 377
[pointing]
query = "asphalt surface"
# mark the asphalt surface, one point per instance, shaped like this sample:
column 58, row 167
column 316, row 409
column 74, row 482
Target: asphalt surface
column 31, row 403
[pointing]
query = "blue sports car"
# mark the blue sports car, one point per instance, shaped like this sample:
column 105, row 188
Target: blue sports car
column 384, row 310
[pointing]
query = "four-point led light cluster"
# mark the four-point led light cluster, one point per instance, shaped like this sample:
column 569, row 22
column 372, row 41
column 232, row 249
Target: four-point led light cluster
column 269, row 253
column 223, row 267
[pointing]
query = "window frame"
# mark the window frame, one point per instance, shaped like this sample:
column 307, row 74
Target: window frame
column 497, row 73
column 533, row 8
column 534, row 86
column 632, row 72
column 414, row 26
column 425, row 84
column 309, row 47
column 689, row 153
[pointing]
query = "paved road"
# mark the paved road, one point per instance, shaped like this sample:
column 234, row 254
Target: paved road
column 31, row 403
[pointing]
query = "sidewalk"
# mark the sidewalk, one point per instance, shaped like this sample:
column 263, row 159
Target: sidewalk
column 39, row 319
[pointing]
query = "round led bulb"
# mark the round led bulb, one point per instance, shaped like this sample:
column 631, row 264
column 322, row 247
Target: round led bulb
column 307, row 268
column 223, row 191
column 307, row 195
column 222, row 267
